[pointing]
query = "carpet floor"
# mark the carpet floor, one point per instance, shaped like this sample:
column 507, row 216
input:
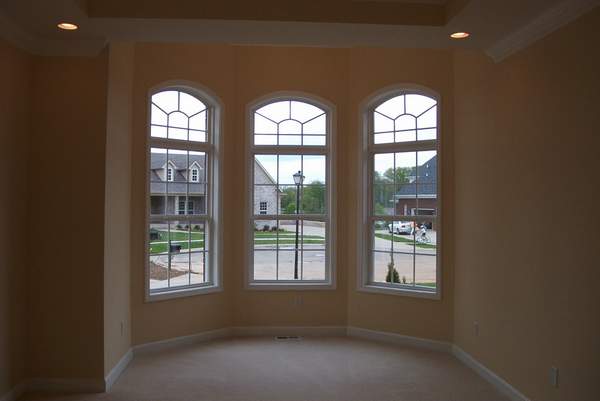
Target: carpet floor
column 310, row 369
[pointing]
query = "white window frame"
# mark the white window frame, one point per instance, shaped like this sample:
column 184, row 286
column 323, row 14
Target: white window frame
column 365, row 218
column 213, row 217
column 329, row 150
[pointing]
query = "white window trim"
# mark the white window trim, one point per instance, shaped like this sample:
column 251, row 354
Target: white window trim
column 330, row 266
column 214, row 168
column 363, row 218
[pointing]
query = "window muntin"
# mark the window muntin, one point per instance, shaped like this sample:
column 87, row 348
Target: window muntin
column 181, row 225
column 290, row 242
column 404, row 201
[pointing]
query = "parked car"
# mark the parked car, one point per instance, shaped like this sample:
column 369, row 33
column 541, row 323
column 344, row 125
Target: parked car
column 401, row 227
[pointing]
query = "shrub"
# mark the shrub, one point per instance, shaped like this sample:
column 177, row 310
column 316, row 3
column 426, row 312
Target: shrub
column 197, row 227
column 274, row 228
column 179, row 227
column 266, row 227
column 392, row 275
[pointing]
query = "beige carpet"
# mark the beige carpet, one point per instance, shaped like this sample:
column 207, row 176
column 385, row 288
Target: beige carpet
column 311, row 369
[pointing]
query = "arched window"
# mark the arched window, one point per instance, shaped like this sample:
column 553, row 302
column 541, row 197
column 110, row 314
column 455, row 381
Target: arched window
column 401, row 213
column 182, row 220
column 290, row 207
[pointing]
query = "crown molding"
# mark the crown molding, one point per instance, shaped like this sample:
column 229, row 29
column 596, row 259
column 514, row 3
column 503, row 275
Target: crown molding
column 546, row 23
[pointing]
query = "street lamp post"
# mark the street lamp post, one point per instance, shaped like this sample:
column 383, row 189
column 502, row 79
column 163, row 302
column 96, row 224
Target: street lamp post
column 298, row 179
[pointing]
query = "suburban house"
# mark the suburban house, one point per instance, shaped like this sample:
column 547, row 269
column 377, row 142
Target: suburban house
column 169, row 181
column 420, row 192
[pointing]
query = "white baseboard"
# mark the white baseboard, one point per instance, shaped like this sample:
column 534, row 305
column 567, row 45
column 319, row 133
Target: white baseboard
column 302, row 331
column 16, row 392
column 117, row 370
column 500, row 384
column 399, row 339
column 191, row 339
column 66, row 385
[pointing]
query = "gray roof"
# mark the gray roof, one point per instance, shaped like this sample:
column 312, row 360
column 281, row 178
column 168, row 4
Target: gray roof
column 426, row 181
column 179, row 185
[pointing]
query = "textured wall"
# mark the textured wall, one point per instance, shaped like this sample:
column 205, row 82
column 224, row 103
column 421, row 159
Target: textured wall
column 527, row 214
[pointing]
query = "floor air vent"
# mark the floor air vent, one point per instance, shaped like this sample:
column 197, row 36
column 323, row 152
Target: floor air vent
column 288, row 338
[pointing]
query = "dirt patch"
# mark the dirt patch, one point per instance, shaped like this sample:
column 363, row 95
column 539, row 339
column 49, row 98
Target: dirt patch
column 158, row 272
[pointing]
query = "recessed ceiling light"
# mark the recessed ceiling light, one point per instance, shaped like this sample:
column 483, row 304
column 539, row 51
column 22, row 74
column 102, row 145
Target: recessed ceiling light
column 67, row 26
column 460, row 35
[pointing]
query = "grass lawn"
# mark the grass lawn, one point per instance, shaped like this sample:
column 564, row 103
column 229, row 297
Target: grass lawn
column 160, row 245
column 395, row 238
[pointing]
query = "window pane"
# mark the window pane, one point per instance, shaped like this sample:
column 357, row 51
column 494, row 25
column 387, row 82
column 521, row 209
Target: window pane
column 425, row 271
column 382, row 123
column 158, row 132
column 157, row 116
column 268, row 194
column 158, row 268
column 166, row 100
column 263, row 125
column 159, row 238
column 418, row 104
column 384, row 138
column 288, row 166
column 265, row 264
column 198, row 273
column 287, row 263
column 314, row 140
column 179, row 274
column 288, row 199
column 427, row 134
column 313, row 199
column 277, row 111
column 177, row 133
column 426, row 183
column 313, row 265
column 198, row 236
column 317, row 126
column 314, row 169
column 178, row 120
column 312, row 234
column 189, row 104
column 290, row 127
column 392, row 108
column 265, row 139
column 428, row 119
column 303, row 112
column 290, row 140
column 392, row 268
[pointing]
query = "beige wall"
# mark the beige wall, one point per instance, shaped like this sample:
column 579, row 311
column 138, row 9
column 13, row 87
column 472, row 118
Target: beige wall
column 117, row 245
column 240, row 75
column 370, row 70
column 527, row 163
column 15, row 81
column 66, row 219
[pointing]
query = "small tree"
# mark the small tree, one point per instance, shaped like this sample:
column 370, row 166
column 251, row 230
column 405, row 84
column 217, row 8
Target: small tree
column 392, row 275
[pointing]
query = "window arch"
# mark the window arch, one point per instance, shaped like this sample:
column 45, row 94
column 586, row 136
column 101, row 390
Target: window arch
column 290, row 227
column 182, row 193
column 402, row 202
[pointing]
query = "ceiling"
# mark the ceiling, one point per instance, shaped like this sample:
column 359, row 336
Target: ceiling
column 497, row 26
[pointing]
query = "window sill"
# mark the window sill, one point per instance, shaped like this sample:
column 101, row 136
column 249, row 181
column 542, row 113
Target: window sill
column 401, row 291
column 182, row 293
column 289, row 286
